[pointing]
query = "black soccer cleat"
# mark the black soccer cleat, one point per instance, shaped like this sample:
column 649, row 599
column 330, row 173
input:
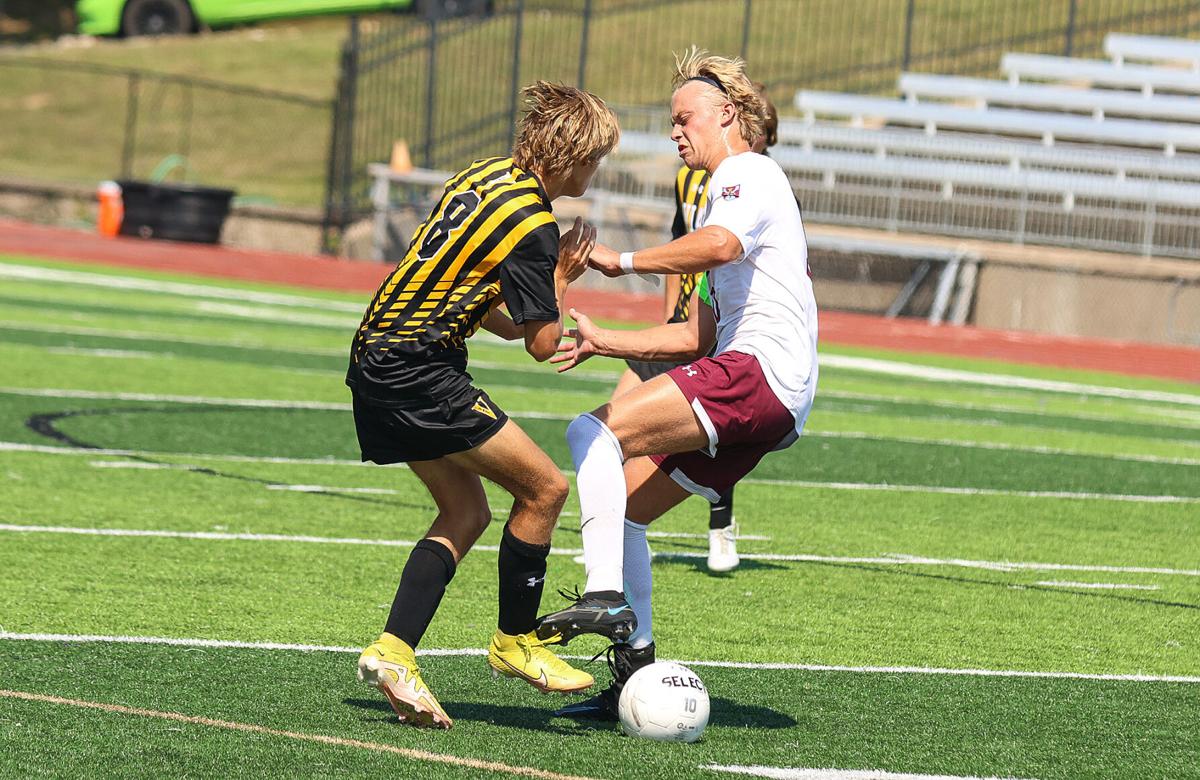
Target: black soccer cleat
column 606, row 613
column 623, row 661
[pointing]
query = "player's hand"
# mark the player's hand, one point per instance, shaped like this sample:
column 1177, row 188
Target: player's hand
column 580, row 343
column 606, row 261
column 574, row 248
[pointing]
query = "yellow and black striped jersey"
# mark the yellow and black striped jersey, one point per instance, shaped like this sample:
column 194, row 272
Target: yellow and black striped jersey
column 490, row 234
column 691, row 196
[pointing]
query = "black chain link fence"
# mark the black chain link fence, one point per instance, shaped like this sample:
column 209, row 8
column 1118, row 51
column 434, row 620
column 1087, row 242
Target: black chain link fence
column 448, row 87
column 86, row 123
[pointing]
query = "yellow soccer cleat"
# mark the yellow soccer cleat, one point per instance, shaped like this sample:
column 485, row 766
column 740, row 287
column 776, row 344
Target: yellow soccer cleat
column 526, row 657
column 391, row 666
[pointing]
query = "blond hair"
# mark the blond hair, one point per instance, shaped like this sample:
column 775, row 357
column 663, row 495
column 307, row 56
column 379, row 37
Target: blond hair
column 562, row 127
column 735, row 85
column 770, row 132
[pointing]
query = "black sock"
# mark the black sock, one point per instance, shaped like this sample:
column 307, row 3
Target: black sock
column 522, row 570
column 429, row 570
column 721, row 514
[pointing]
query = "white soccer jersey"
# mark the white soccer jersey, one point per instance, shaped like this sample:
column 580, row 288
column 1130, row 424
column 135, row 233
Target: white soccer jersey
column 764, row 300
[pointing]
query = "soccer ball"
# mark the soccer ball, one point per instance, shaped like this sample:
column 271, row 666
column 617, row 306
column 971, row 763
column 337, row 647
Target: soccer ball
column 664, row 701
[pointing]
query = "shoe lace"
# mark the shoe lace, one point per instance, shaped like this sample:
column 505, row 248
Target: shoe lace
column 621, row 670
column 615, row 658
column 536, row 648
column 571, row 595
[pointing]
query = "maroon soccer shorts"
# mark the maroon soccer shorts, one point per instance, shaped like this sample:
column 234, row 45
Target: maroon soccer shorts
column 744, row 420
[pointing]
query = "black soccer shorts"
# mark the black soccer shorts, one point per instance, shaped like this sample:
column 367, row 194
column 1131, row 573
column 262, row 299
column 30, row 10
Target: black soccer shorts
column 422, row 427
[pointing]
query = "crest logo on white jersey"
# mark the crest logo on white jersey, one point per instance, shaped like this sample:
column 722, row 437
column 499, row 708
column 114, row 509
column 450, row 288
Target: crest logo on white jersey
column 732, row 192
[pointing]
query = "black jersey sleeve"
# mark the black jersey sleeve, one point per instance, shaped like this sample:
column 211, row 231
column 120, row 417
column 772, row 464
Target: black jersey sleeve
column 527, row 277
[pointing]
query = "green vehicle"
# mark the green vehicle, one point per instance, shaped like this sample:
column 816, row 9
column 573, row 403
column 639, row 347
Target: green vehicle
column 165, row 17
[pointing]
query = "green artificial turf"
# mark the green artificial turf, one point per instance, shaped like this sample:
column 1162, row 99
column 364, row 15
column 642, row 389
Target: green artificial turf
column 217, row 430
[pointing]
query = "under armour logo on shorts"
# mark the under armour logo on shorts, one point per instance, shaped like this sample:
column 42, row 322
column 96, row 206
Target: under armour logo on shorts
column 689, row 370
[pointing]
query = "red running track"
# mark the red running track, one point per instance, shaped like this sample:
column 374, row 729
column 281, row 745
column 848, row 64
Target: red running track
column 1121, row 357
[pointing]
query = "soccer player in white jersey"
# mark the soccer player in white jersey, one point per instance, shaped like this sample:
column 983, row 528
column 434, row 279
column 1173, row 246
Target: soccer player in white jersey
column 702, row 426
column 691, row 201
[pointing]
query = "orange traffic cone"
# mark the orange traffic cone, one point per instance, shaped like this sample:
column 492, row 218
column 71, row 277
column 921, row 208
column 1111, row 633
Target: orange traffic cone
column 111, row 211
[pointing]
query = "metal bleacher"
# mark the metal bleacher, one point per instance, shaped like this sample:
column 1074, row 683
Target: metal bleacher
column 1153, row 48
column 908, row 143
column 1100, row 104
column 1075, row 163
column 1050, row 127
column 1083, row 153
column 1147, row 78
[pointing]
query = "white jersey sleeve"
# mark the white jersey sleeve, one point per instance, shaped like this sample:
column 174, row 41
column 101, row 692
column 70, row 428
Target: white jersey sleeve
column 738, row 205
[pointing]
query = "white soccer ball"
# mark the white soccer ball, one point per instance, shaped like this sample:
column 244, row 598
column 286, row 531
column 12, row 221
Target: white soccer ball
column 664, row 701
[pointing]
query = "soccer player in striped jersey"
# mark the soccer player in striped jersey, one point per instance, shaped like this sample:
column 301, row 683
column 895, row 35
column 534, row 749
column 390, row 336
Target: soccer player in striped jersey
column 691, row 200
column 491, row 239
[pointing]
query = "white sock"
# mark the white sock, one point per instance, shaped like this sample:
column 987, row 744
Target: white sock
column 600, row 477
column 638, row 584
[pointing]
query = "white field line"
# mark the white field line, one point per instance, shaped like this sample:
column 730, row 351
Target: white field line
column 137, row 465
column 199, row 400
column 536, row 415
column 608, row 377
column 501, row 511
column 106, row 353
column 1096, row 585
column 332, row 489
column 598, row 376
column 983, row 445
column 749, row 665
column 187, row 290
column 797, row 773
column 681, row 535
column 141, row 335
column 1157, row 411
column 268, row 403
column 967, row 491
column 44, row 449
column 890, row 559
column 345, row 322
column 1190, row 415
column 871, row 365
column 340, row 742
column 934, row 374
column 247, row 403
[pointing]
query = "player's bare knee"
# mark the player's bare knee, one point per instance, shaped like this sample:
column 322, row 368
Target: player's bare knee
column 545, row 498
column 556, row 493
column 481, row 518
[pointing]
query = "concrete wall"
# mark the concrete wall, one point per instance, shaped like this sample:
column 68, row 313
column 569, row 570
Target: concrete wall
column 1070, row 302
column 1058, row 291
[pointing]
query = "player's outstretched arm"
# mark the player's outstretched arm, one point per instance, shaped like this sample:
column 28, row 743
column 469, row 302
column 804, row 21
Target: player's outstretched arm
column 701, row 250
column 673, row 342
column 574, row 248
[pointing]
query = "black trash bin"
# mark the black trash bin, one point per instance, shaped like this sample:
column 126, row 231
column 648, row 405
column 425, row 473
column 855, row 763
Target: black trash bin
column 178, row 212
